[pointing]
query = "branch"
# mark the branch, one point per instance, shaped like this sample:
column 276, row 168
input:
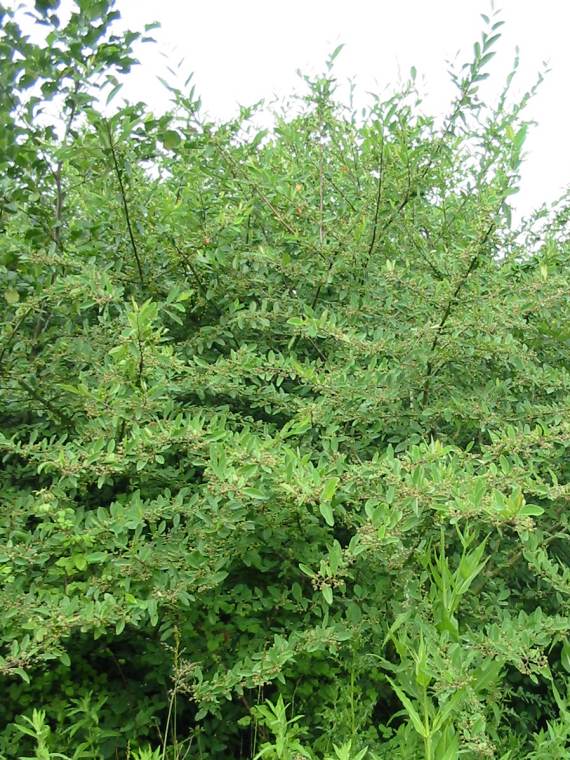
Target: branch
column 447, row 312
column 60, row 195
column 62, row 416
column 140, row 345
column 191, row 267
column 413, row 190
column 125, row 204
column 378, row 201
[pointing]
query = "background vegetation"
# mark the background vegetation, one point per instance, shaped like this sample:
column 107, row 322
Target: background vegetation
column 284, row 422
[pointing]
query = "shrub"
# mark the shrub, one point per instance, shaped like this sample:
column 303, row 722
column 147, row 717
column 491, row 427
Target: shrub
column 284, row 422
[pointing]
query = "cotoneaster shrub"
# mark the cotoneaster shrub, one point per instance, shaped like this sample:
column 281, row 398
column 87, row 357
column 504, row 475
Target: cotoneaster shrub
column 284, row 422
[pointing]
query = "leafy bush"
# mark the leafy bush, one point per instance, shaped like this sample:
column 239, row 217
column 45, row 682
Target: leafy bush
column 284, row 422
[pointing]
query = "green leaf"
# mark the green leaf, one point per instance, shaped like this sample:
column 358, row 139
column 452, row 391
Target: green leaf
column 44, row 6
column 531, row 510
column 486, row 675
column 520, row 137
column 113, row 92
column 96, row 557
column 329, row 488
column 255, row 493
column 450, row 706
column 307, row 570
column 171, row 139
column 335, row 52
column 565, row 656
column 410, row 709
column 22, row 673
column 327, row 594
column 327, row 512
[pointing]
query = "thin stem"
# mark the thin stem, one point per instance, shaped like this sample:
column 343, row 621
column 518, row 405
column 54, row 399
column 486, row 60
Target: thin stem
column 140, row 345
column 191, row 267
column 125, row 203
column 321, row 199
column 427, row 738
column 45, row 402
column 378, row 202
column 447, row 312
column 168, row 719
column 57, row 173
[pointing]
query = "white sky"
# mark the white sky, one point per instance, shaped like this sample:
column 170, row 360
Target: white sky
column 244, row 50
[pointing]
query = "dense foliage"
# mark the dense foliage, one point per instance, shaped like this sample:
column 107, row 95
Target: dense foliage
column 283, row 422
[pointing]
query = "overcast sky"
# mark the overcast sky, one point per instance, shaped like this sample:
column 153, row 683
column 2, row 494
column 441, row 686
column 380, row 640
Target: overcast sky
column 244, row 50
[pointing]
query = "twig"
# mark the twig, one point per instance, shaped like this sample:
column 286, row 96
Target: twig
column 140, row 345
column 191, row 267
column 447, row 311
column 45, row 402
column 57, row 173
column 321, row 198
column 236, row 170
column 378, row 202
column 124, row 201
